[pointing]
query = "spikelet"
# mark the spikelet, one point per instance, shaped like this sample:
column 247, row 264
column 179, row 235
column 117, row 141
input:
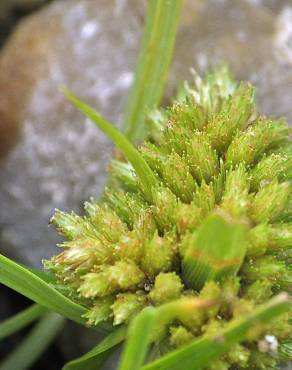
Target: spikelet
column 211, row 231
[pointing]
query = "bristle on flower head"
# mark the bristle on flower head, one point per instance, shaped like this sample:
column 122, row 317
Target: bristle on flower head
column 202, row 211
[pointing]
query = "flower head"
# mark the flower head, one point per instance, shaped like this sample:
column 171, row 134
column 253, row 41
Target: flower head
column 217, row 226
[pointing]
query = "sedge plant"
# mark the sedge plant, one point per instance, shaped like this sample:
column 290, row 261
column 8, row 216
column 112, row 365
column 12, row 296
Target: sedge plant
column 193, row 232
column 187, row 255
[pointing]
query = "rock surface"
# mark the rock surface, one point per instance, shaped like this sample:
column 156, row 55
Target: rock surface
column 58, row 158
column 12, row 10
column 254, row 37
column 51, row 156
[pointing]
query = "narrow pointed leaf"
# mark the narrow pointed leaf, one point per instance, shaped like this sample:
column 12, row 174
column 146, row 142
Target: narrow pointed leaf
column 142, row 169
column 153, row 63
column 47, row 277
column 216, row 250
column 20, row 320
column 200, row 353
column 37, row 341
column 139, row 339
column 152, row 320
column 285, row 351
column 94, row 359
column 25, row 282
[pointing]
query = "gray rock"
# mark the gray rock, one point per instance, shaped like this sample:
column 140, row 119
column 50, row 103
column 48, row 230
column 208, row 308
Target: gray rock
column 55, row 157
column 91, row 46
column 254, row 37
column 61, row 158
column 12, row 10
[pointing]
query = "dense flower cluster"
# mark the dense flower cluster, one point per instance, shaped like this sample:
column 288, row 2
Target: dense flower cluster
column 218, row 226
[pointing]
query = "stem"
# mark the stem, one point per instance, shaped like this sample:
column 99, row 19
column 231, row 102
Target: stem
column 33, row 287
column 153, row 64
column 21, row 320
column 37, row 341
column 141, row 167
column 201, row 352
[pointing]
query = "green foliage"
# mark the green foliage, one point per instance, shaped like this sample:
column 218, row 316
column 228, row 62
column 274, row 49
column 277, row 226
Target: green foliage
column 216, row 250
column 25, row 282
column 20, row 320
column 194, row 231
column 36, row 342
column 139, row 336
column 153, row 64
column 200, row 353
column 141, row 168
column 211, row 214
column 94, row 359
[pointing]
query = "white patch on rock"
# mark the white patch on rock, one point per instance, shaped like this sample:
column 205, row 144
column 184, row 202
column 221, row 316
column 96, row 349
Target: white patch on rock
column 283, row 36
column 89, row 29
column 269, row 344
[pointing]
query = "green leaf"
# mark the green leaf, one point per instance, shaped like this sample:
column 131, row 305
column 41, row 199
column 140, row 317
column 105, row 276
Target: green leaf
column 139, row 339
column 216, row 250
column 37, row 341
column 21, row 320
column 285, row 351
column 47, row 277
column 94, row 359
column 150, row 324
column 142, row 169
column 28, row 284
column 201, row 352
column 153, row 63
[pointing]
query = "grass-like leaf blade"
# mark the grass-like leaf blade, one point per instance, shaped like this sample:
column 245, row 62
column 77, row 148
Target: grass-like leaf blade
column 142, row 169
column 21, row 320
column 139, row 338
column 285, row 351
column 28, row 284
column 153, row 63
column 94, row 359
column 200, row 353
column 36, row 342
column 48, row 277
column 216, row 250
column 143, row 329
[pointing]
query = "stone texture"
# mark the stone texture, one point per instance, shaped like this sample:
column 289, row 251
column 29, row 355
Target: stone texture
column 12, row 10
column 58, row 158
column 253, row 37
column 51, row 156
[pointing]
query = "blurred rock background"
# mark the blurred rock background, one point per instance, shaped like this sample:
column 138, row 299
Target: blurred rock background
column 50, row 156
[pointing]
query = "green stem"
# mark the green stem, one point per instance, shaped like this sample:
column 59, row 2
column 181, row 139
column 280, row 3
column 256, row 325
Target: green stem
column 142, row 329
column 37, row 341
column 95, row 358
column 21, row 320
column 141, row 167
column 139, row 338
column 153, row 63
column 200, row 353
column 33, row 287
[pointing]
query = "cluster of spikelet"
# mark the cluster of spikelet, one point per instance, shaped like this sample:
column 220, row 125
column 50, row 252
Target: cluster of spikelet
column 217, row 226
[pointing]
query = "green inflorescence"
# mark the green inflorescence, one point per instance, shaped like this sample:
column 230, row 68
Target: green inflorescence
column 217, row 225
